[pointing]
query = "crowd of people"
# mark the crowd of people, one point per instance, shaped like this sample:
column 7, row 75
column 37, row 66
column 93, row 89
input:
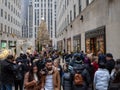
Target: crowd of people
column 43, row 71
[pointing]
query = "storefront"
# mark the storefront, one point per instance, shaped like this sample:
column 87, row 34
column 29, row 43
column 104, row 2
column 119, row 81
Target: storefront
column 69, row 45
column 77, row 43
column 95, row 40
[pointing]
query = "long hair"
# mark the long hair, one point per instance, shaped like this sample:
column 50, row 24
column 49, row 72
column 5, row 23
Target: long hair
column 31, row 73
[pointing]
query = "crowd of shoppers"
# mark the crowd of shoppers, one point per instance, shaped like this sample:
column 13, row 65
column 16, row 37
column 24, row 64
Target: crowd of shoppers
column 42, row 71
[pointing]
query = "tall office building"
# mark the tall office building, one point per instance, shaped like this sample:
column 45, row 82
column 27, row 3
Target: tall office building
column 24, row 16
column 39, row 9
column 10, row 22
column 30, row 20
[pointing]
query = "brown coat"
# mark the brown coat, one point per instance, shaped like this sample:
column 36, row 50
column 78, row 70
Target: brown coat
column 29, row 85
column 56, row 80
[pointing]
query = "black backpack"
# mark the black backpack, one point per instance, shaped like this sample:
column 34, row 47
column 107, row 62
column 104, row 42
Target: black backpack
column 17, row 72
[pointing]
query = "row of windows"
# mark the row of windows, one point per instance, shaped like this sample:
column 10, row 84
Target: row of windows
column 72, row 14
column 12, row 8
column 36, row 0
column 7, row 29
column 16, row 2
column 37, row 5
column 43, row 0
column 9, row 18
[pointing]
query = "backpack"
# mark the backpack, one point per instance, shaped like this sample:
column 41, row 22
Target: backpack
column 17, row 72
column 78, row 79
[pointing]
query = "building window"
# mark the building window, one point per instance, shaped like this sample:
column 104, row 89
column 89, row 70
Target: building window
column 45, row 5
column 41, row 5
column 35, row 16
column 51, row 34
column 14, row 20
column 74, row 11
column 5, row 28
column 77, row 43
column 5, row 2
column 37, row 5
column 1, row 27
column 9, row 5
column 14, row 10
column 9, row 17
column 79, row 6
column 8, row 29
column 67, row 2
column 70, row 16
column 11, row 31
column 5, row 15
column 67, row 19
column 87, row 2
column 1, row 12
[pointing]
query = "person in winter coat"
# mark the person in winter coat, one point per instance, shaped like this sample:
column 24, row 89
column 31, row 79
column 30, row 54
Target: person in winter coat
column 115, row 77
column 79, row 68
column 110, row 63
column 95, row 64
column 21, row 70
column 101, row 78
column 101, row 57
column 32, row 79
column 51, row 78
column 66, row 79
column 7, row 77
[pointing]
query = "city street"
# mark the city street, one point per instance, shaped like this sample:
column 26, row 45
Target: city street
column 59, row 45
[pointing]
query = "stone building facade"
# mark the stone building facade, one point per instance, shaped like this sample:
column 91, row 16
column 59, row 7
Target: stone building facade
column 10, row 23
column 95, row 28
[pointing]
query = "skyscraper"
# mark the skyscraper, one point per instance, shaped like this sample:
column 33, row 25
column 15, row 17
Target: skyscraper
column 24, row 16
column 39, row 9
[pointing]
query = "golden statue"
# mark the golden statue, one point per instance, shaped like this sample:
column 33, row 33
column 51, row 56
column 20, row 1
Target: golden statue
column 4, row 53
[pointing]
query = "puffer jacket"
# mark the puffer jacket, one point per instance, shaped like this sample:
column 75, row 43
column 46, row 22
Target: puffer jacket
column 86, row 77
column 67, row 81
column 101, row 79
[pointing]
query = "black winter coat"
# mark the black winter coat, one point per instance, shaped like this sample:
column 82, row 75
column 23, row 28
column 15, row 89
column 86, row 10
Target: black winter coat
column 110, row 64
column 67, row 81
column 7, row 76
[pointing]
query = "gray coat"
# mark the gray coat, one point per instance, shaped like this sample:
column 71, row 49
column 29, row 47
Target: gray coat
column 67, row 81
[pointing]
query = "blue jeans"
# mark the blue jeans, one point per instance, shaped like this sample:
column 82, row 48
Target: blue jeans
column 6, row 87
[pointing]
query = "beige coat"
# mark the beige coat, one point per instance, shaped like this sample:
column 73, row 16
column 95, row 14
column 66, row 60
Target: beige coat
column 56, row 80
